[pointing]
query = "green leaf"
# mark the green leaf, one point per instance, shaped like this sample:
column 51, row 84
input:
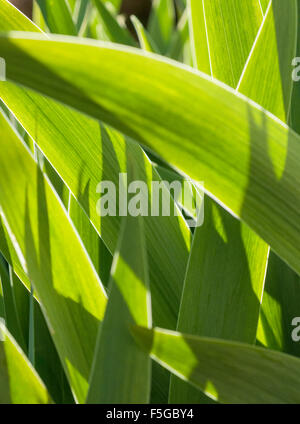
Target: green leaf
column 81, row 13
column 264, row 4
column 144, row 37
column 98, row 252
column 210, row 291
column 12, row 316
column 223, row 33
column 236, row 170
column 2, row 309
column 8, row 21
column 38, row 18
column 280, row 307
column 267, row 78
column 116, row 4
column 66, row 283
column 47, row 362
column 8, row 251
column 198, row 36
column 57, row 183
column 58, row 17
column 73, row 4
column 19, row 383
column 121, row 370
column 193, row 208
column 161, row 23
column 166, row 276
column 221, row 301
column 272, row 55
column 84, row 153
column 110, row 26
column 230, row 372
column 102, row 157
column 179, row 42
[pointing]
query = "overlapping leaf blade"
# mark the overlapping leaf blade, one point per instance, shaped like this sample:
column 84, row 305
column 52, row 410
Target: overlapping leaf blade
column 71, row 293
column 19, row 383
column 228, row 371
column 12, row 314
column 235, row 170
column 223, row 33
column 98, row 252
column 58, row 16
column 277, row 40
column 43, row 352
column 263, row 154
column 264, row 4
column 241, row 256
column 271, row 85
column 121, row 370
column 110, row 26
column 221, row 301
column 59, row 133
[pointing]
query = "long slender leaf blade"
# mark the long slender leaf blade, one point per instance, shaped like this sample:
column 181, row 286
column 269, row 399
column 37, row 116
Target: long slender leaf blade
column 41, row 227
column 82, row 13
column 8, row 14
column 8, row 251
column 145, row 40
column 210, row 291
column 179, row 46
column 2, row 309
column 277, row 41
column 166, row 274
column 19, row 383
column 58, row 17
column 223, row 34
column 264, row 5
column 103, row 155
column 240, row 175
column 12, row 317
column 230, row 372
column 161, row 23
column 277, row 45
column 198, row 36
column 46, row 359
column 221, row 301
column 278, row 326
column 121, row 370
column 57, row 183
column 114, row 32
column 98, row 252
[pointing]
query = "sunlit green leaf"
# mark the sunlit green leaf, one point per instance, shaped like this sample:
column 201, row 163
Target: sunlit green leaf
column 71, row 293
column 57, row 16
column 230, row 372
column 19, row 383
column 121, row 370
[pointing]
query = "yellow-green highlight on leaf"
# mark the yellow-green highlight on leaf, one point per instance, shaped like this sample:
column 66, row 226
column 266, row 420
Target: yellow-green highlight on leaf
column 19, row 382
column 58, row 17
column 234, row 169
column 121, row 371
column 269, row 65
column 267, row 79
column 264, row 5
column 145, row 40
column 210, row 291
column 227, row 371
column 223, row 33
column 83, row 152
column 65, row 280
column 223, row 286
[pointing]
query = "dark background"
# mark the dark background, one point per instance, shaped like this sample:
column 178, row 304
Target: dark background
column 140, row 8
